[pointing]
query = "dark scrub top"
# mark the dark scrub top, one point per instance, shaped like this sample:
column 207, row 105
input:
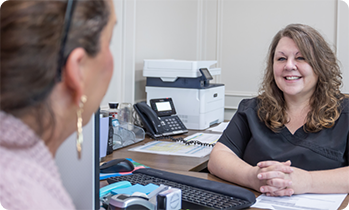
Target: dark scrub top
column 251, row 140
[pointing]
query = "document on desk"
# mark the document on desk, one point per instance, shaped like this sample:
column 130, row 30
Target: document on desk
column 204, row 138
column 219, row 128
column 173, row 148
column 301, row 202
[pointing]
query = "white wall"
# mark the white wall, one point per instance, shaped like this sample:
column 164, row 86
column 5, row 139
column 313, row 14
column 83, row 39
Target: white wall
column 122, row 85
column 343, row 41
column 237, row 33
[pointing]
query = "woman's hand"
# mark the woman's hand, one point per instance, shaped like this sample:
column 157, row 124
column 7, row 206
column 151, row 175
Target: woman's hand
column 274, row 178
column 281, row 182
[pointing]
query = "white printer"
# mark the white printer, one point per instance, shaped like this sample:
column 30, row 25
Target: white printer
column 198, row 103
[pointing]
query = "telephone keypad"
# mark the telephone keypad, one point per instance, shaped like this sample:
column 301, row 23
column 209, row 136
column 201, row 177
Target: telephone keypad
column 173, row 123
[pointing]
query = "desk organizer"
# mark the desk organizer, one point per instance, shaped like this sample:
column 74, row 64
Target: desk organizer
column 127, row 134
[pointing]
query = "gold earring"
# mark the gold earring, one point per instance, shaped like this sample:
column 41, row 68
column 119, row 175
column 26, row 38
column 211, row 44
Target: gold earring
column 79, row 138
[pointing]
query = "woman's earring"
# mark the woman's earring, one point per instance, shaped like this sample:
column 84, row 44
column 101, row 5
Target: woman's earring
column 79, row 138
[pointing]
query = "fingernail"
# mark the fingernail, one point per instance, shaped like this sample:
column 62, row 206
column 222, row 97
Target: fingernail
column 289, row 183
column 290, row 193
column 259, row 176
column 262, row 189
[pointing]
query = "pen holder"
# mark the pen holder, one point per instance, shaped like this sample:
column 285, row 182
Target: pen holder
column 125, row 115
column 127, row 134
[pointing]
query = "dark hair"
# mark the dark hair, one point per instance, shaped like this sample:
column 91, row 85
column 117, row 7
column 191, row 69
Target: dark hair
column 326, row 100
column 30, row 42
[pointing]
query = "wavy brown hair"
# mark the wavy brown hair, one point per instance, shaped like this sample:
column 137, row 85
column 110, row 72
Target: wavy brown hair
column 326, row 100
column 30, row 42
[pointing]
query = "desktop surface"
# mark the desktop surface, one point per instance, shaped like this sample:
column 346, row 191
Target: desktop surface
column 165, row 162
column 190, row 166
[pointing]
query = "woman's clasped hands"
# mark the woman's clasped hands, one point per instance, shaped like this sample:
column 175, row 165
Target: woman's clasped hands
column 280, row 179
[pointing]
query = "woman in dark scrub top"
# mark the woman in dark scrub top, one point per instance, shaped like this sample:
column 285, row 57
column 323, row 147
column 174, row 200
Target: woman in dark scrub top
column 293, row 138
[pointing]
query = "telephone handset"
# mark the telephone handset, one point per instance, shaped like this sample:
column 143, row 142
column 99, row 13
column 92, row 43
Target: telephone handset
column 150, row 120
column 160, row 119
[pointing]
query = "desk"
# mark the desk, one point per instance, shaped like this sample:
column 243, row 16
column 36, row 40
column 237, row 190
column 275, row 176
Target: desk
column 162, row 162
column 190, row 166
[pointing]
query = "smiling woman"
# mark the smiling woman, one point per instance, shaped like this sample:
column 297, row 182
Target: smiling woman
column 300, row 51
column 292, row 74
column 294, row 137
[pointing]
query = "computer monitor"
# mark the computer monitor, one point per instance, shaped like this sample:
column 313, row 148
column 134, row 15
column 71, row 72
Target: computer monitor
column 81, row 177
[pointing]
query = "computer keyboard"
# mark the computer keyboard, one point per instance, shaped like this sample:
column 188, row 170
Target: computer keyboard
column 197, row 193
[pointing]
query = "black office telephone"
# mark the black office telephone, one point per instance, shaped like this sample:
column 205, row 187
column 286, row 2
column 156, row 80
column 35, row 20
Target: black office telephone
column 160, row 119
